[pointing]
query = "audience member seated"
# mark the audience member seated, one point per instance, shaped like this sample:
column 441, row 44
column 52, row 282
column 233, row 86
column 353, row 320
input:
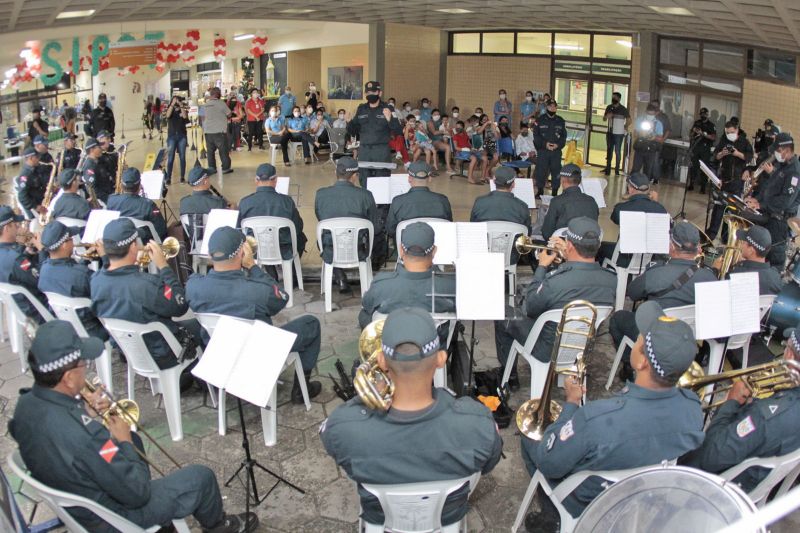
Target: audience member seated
column 275, row 127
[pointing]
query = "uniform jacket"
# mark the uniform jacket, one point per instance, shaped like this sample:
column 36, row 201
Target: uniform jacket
column 636, row 202
column 371, row 126
column 267, row 202
column 138, row 207
column 769, row 279
column 661, row 276
column 72, row 205
column 30, row 187
column 549, row 130
column 416, row 203
column 571, row 203
column 503, row 206
column 18, row 267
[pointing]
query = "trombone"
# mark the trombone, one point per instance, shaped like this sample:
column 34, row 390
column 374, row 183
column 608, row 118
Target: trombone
column 536, row 414
column 525, row 245
column 129, row 411
column 171, row 247
column 373, row 385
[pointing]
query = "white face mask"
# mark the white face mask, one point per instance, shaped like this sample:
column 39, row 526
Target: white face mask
column 288, row 92
column 732, row 136
column 779, row 157
column 436, row 117
column 408, row 108
column 425, row 104
column 312, row 88
column 529, row 98
column 272, row 113
column 296, row 114
column 455, row 114
column 341, row 115
column 502, row 97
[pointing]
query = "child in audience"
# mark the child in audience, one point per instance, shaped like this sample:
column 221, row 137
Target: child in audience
column 341, row 121
column 426, row 145
column 463, row 145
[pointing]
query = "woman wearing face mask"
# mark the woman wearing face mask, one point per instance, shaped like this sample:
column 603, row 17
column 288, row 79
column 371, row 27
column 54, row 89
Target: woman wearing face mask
column 502, row 107
column 254, row 107
column 341, row 119
column 404, row 111
column 275, row 125
column 312, row 96
column 235, row 121
column 317, row 129
column 296, row 126
column 436, row 132
column 527, row 109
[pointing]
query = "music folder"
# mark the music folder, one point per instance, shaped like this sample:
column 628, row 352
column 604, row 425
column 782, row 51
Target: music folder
column 218, row 218
column 385, row 188
column 153, row 184
column 480, row 291
column 641, row 233
column 729, row 307
column 711, row 175
column 98, row 219
column 523, row 189
column 457, row 239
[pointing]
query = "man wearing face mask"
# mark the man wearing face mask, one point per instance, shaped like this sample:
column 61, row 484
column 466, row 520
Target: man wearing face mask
column 312, row 96
column 765, row 138
column 732, row 154
column 405, row 111
column 102, row 117
column 549, row 137
column 618, row 120
column 702, row 138
column 425, row 112
column 287, row 101
column 779, row 197
column 502, row 107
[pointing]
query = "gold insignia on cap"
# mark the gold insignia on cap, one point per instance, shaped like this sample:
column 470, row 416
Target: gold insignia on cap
column 666, row 318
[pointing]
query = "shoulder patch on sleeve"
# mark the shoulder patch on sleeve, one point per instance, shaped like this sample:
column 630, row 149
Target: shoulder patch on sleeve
column 25, row 265
column 108, row 451
column 566, row 432
column 167, row 292
column 745, row 427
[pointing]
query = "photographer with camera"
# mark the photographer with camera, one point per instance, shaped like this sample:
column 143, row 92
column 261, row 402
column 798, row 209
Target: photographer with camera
column 732, row 154
column 177, row 117
column 764, row 139
column 647, row 146
column 702, row 138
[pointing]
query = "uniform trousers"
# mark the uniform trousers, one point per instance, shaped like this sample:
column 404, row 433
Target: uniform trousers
column 548, row 163
column 623, row 324
column 308, row 339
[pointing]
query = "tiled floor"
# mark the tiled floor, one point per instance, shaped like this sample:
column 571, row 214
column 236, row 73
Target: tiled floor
column 330, row 503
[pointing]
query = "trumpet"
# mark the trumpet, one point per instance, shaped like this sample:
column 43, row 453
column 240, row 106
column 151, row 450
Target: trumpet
column 373, row 385
column 763, row 380
column 171, row 247
column 536, row 414
column 525, row 245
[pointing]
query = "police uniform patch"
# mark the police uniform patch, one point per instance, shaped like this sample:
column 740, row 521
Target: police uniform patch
column 108, row 451
column 745, row 427
column 25, row 265
column 167, row 292
column 566, row 431
column 772, row 409
column 550, row 441
column 86, row 420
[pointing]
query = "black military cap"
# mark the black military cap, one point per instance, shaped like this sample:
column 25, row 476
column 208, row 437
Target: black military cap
column 7, row 215
column 90, row 143
column 703, row 110
column 669, row 343
column 569, row 169
column 782, row 139
column 769, row 122
column 67, row 176
column 417, row 239
column 37, row 109
column 41, row 139
column 131, row 176
column 104, row 134
column 757, row 236
column 225, row 243
column 120, row 232
column 419, row 170
column 197, row 174
column 685, row 235
column 504, row 176
column 266, row 172
column 346, row 165
column 639, row 181
column 583, row 230
column 57, row 345
column 409, row 325
column 30, row 151
column 70, row 136
column 551, row 101
column 55, row 234
column 372, row 86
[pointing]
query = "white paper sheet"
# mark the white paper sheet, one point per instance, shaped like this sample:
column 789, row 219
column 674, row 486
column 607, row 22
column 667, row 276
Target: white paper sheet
column 745, row 310
column 152, row 184
column 710, row 173
column 471, row 238
column 546, row 199
column 446, row 241
column 725, row 308
column 523, row 189
column 479, row 287
column 398, row 184
column 98, row 219
column 222, row 352
column 379, row 187
column 218, row 218
column 643, row 232
column 283, row 185
column 594, row 188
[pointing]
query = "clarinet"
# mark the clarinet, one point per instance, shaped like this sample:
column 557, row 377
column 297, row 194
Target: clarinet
column 215, row 191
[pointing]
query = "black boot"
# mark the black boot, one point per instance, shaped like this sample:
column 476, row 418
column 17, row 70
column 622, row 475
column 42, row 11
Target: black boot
column 314, row 388
column 513, row 380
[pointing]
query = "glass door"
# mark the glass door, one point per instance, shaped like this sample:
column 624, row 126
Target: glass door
column 572, row 96
column 601, row 97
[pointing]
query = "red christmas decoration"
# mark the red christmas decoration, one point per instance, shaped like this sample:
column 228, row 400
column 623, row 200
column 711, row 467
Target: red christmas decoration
column 190, row 46
column 220, row 48
column 259, row 45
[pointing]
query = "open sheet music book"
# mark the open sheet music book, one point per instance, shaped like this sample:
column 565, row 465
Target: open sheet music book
column 457, row 239
column 711, row 175
column 218, row 218
column 385, row 188
column 98, row 219
column 594, row 188
column 523, row 189
column 643, row 232
column 725, row 308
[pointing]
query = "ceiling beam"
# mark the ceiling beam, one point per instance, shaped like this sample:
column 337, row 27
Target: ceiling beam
column 787, row 20
column 734, row 8
column 56, row 11
column 12, row 20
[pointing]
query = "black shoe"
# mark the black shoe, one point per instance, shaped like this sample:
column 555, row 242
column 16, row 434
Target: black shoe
column 606, row 171
column 186, row 381
column 287, row 164
column 308, row 160
column 344, row 286
column 616, row 172
column 211, row 171
column 313, row 387
column 227, row 171
column 235, row 523
column 183, row 180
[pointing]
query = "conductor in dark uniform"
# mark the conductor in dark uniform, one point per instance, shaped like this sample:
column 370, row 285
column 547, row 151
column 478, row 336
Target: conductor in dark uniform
column 754, row 244
column 94, row 174
column 102, row 118
column 130, row 204
column 62, row 275
column 419, row 201
column 651, row 421
column 577, row 278
column 71, row 204
column 779, row 197
column 267, row 202
column 571, row 203
column 122, row 291
column 412, row 284
column 345, row 199
column 65, row 448
column 29, row 185
column 373, row 124
column 426, row 435
column 238, row 287
column 745, row 427
column 549, row 137
column 72, row 155
column 19, row 265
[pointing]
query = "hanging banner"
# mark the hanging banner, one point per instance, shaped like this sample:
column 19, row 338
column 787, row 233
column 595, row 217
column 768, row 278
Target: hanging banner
column 129, row 53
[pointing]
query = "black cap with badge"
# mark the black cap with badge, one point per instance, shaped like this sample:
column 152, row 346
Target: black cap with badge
column 7, row 215
column 225, row 243
column 57, row 345
column 570, row 170
column 55, row 234
column 372, row 86
column 583, row 230
column 419, row 170
column 346, row 165
column 758, row 237
column 685, row 236
column 67, row 176
column 781, row 139
column 131, row 176
column 197, row 174
column 669, row 343
column 409, row 325
column 504, row 176
column 417, row 239
column 639, row 181
column 266, row 172
column 90, row 143
column 30, row 151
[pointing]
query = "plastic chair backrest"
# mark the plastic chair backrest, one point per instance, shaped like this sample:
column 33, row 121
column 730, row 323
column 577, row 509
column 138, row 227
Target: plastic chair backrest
column 402, row 225
column 146, row 224
column 571, row 344
column 266, row 231
column 209, row 320
column 11, row 517
column 683, row 312
column 780, row 466
column 8, row 290
column 344, row 233
column 194, row 227
column 129, row 337
column 416, row 507
column 72, row 222
column 66, row 308
column 337, row 136
column 502, row 236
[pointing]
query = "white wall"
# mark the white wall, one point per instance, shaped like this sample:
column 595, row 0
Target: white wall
column 124, row 101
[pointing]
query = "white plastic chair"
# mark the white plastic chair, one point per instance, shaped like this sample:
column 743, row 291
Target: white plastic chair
column 58, row 501
column 683, row 312
column 344, row 234
column 636, row 266
column 566, row 356
column 129, row 337
column 398, row 233
column 146, row 224
column 17, row 321
column 625, row 343
column 72, row 222
column 559, row 493
column 416, row 507
column 501, row 239
column 66, row 308
column 269, row 419
column 266, row 231
column 195, row 245
column 783, row 468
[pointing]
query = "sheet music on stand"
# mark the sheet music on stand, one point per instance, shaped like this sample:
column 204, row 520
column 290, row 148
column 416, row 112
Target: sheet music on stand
column 385, row 188
column 523, row 189
column 711, row 175
column 455, row 239
column 153, row 184
column 480, row 291
column 98, row 219
column 643, row 232
column 218, row 218
column 594, row 188
column 729, row 307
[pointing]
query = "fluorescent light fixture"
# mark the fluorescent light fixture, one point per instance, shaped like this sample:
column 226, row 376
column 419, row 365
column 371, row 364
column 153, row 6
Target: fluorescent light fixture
column 626, row 44
column 297, row 11
column 454, row 11
column 75, row 14
column 243, row 37
column 567, row 47
column 680, row 11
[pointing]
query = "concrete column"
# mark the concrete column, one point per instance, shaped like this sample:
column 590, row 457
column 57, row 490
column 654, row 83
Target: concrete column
column 377, row 51
column 648, row 69
column 443, row 46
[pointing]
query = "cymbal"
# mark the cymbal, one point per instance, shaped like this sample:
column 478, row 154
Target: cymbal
column 794, row 225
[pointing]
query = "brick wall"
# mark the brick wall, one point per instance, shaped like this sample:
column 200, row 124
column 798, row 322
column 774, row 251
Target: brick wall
column 303, row 66
column 412, row 63
column 350, row 55
column 762, row 100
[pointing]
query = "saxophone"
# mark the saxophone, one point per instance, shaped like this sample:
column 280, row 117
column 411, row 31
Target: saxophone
column 45, row 217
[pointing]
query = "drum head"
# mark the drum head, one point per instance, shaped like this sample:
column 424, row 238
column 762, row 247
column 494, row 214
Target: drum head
column 666, row 499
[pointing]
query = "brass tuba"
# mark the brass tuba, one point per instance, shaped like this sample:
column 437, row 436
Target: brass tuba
column 732, row 254
column 372, row 384
column 536, row 414
column 171, row 247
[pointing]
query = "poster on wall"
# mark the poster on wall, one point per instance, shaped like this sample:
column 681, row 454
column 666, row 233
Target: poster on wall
column 274, row 73
column 345, row 83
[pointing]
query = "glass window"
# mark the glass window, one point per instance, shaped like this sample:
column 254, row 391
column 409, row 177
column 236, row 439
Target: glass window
column 466, row 43
column 721, row 84
column 534, row 43
column 720, row 110
column 723, row 57
column 612, row 47
column 677, row 78
column 773, row 65
column 685, row 53
column 679, row 107
column 498, row 43
column 571, row 44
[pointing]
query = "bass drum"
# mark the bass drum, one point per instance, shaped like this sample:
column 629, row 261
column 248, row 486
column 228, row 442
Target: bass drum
column 667, row 499
column 785, row 312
